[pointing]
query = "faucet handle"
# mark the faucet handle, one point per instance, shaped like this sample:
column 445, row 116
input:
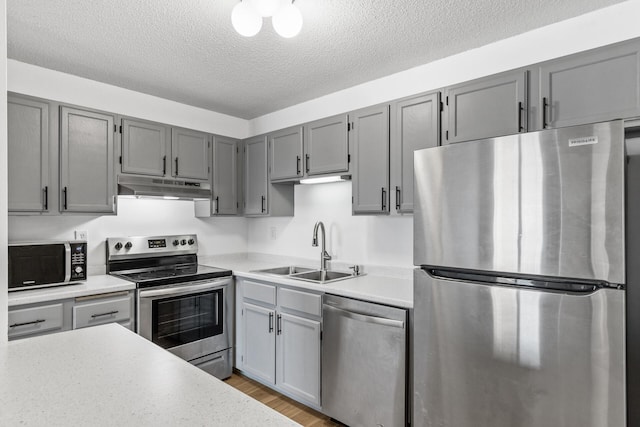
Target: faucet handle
column 326, row 256
column 356, row 269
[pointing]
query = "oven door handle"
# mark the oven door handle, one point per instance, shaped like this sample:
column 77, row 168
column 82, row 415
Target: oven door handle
column 184, row 289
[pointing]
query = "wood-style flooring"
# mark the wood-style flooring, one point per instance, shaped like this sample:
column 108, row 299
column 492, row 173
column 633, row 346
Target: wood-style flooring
column 287, row 407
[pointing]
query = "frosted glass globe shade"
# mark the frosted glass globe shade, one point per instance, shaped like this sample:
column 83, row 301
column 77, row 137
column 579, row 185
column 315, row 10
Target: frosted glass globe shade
column 288, row 21
column 266, row 8
column 246, row 20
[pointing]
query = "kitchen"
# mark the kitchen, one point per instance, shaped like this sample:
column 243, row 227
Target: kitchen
column 365, row 240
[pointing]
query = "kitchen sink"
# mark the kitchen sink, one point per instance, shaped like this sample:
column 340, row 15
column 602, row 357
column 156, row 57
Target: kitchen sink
column 284, row 271
column 319, row 276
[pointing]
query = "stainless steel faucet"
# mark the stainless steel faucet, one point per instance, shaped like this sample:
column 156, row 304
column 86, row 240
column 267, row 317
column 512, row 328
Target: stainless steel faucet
column 324, row 255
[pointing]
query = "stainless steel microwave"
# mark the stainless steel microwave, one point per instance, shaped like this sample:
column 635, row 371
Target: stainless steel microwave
column 42, row 264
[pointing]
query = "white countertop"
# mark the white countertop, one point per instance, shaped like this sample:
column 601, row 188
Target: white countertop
column 108, row 375
column 94, row 285
column 395, row 291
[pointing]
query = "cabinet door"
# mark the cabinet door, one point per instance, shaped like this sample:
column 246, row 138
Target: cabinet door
column 327, row 146
column 591, row 87
column 225, row 188
column 36, row 320
column 144, row 148
column 258, row 327
column 415, row 124
column 86, row 161
column 256, row 176
column 488, row 107
column 286, row 154
column 189, row 154
column 298, row 361
column 28, row 155
column 370, row 131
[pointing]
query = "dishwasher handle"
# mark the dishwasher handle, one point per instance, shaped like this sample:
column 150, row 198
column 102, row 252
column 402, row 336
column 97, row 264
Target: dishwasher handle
column 366, row 317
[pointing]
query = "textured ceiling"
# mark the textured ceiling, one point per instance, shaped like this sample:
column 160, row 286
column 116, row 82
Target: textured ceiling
column 188, row 51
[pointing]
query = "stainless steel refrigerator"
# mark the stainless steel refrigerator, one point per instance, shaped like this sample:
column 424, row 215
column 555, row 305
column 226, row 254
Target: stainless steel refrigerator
column 519, row 294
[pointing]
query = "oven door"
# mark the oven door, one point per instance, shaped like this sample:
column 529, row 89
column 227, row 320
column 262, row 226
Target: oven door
column 190, row 319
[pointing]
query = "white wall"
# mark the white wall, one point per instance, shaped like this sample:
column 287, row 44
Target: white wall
column 135, row 217
column 369, row 240
column 599, row 28
column 44, row 83
column 3, row 167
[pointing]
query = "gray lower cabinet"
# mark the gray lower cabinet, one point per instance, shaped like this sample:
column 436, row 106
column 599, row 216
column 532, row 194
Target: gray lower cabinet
column 370, row 134
column 487, row 107
column 278, row 338
column 144, row 147
column 42, row 319
column 28, row 151
column 87, row 181
column 589, row 87
column 326, row 146
column 415, row 124
column 190, row 154
column 286, row 153
column 93, row 310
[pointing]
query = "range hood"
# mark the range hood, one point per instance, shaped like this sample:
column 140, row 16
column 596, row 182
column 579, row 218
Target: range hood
column 139, row 186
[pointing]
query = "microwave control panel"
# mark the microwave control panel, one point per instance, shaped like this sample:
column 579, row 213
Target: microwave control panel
column 78, row 261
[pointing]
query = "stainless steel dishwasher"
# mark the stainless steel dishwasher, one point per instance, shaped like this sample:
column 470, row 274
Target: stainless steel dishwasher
column 364, row 362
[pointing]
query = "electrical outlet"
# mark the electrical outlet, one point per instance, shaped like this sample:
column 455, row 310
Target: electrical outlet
column 81, row 235
column 273, row 232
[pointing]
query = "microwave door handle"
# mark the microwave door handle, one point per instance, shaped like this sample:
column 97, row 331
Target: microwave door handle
column 67, row 262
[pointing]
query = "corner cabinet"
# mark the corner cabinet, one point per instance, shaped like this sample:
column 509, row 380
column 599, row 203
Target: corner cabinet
column 589, row 87
column 28, row 152
column 87, row 181
column 415, row 124
column 279, row 338
column 487, row 107
column 369, row 129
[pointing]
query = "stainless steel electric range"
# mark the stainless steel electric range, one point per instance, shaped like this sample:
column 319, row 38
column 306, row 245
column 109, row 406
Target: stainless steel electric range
column 181, row 306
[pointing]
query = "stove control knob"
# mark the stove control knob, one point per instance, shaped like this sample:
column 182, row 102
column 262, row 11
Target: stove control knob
column 191, row 241
column 118, row 246
column 176, row 242
column 78, row 270
column 128, row 245
column 183, row 242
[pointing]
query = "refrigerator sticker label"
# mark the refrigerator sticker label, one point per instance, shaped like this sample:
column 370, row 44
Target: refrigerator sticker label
column 587, row 140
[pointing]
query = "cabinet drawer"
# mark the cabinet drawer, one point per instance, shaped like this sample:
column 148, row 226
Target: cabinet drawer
column 36, row 320
column 259, row 292
column 100, row 312
column 303, row 302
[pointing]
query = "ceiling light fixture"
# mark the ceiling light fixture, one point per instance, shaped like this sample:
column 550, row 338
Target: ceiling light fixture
column 286, row 18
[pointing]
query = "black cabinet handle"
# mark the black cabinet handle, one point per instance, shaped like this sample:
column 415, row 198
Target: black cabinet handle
column 176, row 166
column 306, row 163
column 263, row 200
column 270, row 322
column 397, row 197
column 384, row 199
column 64, row 192
column 544, row 112
column 297, row 165
column 93, row 316
column 279, row 325
column 46, row 198
column 164, row 165
column 35, row 322
column 520, row 128
column 217, row 204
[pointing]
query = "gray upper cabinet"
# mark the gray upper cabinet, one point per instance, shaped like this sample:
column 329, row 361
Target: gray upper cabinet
column 144, row 147
column 255, row 176
column 415, row 124
column 28, row 151
column 591, row 87
column 286, row 154
column 86, row 161
column 327, row 146
column 370, row 133
column 190, row 154
column 225, row 171
column 488, row 107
